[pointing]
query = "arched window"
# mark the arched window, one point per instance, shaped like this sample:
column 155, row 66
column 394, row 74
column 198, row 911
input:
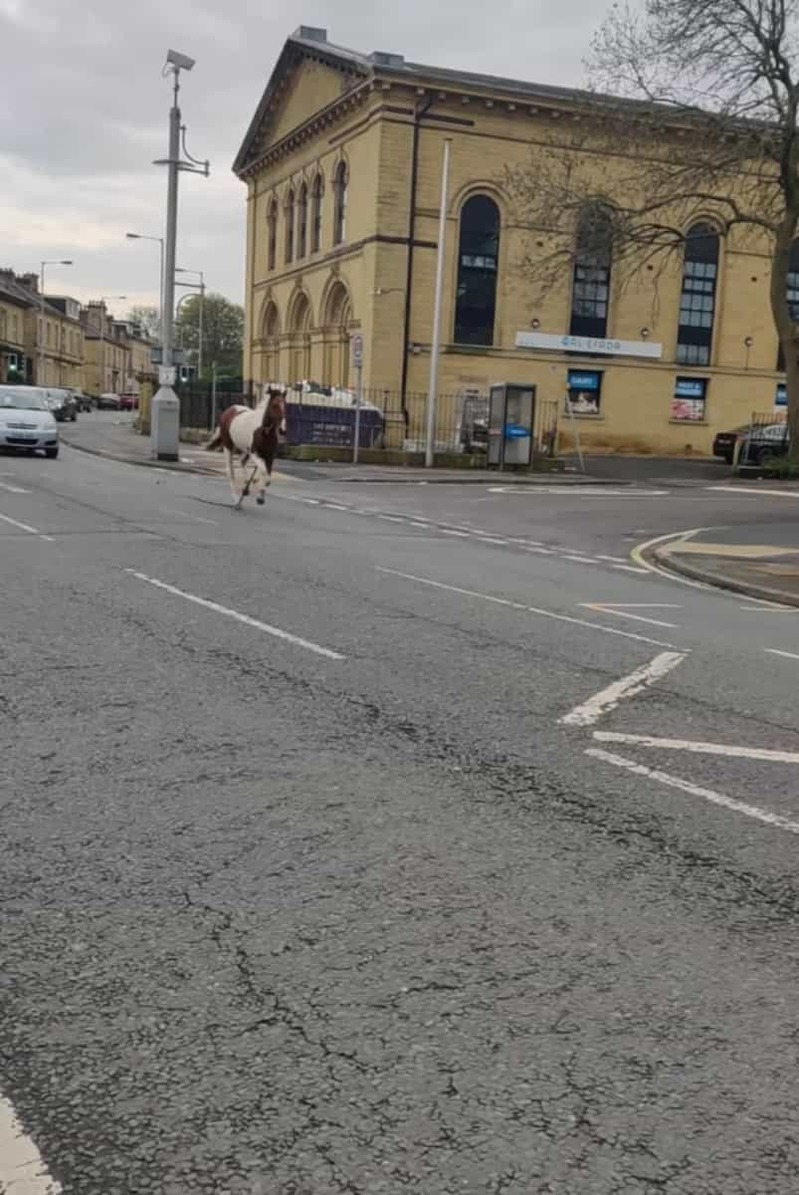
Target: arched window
column 698, row 297
column 792, row 295
column 302, row 222
column 478, row 256
column 316, row 213
column 271, row 234
column 341, row 182
column 591, row 281
column 301, row 339
column 270, row 331
column 290, row 204
column 337, row 319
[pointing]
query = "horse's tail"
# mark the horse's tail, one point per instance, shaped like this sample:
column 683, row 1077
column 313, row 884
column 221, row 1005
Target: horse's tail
column 215, row 443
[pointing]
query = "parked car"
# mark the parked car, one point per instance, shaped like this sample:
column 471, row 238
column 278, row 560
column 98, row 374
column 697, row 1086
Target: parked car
column 128, row 402
column 724, row 443
column 62, row 403
column 83, row 401
column 108, row 402
column 27, row 422
column 759, row 444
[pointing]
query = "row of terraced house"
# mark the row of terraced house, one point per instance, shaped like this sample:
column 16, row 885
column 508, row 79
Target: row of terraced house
column 53, row 340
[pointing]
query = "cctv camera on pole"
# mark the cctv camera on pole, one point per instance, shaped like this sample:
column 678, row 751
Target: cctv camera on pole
column 165, row 417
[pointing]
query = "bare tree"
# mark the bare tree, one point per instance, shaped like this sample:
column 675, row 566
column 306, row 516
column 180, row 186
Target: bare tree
column 702, row 123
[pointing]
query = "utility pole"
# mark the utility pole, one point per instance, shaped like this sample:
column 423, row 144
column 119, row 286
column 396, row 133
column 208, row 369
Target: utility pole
column 432, row 389
column 165, row 419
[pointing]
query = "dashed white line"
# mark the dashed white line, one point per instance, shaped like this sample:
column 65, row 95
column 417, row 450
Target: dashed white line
column 27, row 527
column 698, row 748
column 751, row 492
column 12, row 489
column 22, row 1170
column 695, row 790
column 631, row 568
column 787, row 655
column 511, row 605
column 449, row 531
column 606, row 608
column 607, row 699
column 276, row 632
column 614, row 559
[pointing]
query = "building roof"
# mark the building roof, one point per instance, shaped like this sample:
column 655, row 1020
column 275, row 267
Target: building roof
column 308, row 42
column 15, row 291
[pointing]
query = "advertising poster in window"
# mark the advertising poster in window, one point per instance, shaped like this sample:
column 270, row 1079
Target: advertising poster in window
column 688, row 402
column 583, row 395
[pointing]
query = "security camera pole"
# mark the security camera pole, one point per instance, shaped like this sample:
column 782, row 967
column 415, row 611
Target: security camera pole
column 165, row 417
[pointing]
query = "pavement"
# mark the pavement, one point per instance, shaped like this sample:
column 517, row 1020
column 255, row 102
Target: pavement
column 391, row 838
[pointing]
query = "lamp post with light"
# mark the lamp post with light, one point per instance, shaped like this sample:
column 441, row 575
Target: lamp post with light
column 62, row 262
column 139, row 236
column 201, row 287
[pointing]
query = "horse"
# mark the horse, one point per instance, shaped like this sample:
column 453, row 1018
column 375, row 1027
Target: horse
column 253, row 436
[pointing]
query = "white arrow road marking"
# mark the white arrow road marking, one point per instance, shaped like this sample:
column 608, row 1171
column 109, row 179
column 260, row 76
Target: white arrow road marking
column 698, row 748
column 621, row 610
column 22, row 1171
column 603, row 702
column 694, row 790
column 235, row 614
column 498, row 601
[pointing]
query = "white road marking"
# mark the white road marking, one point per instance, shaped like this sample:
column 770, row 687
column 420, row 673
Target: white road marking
column 420, row 526
column 22, row 1170
column 614, row 559
column 276, row 632
column 194, row 518
column 751, row 492
column 698, row 748
column 27, row 527
column 580, row 491
column 630, row 568
column 446, row 531
column 694, row 790
column 13, row 489
column 335, row 506
column 788, row 655
column 579, row 559
column 489, row 539
column 628, row 686
column 497, row 601
column 604, row 608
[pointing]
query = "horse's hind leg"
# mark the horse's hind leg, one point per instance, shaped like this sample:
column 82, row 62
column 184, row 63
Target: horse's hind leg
column 231, row 472
column 263, row 482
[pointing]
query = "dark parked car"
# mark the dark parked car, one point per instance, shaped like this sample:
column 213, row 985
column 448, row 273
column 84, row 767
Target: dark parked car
column 108, row 402
column 725, row 442
column 62, row 403
column 760, row 444
column 83, row 401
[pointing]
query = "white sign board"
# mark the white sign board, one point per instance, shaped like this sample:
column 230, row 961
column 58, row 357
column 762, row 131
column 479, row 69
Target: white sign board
column 357, row 351
column 586, row 344
column 166, row 375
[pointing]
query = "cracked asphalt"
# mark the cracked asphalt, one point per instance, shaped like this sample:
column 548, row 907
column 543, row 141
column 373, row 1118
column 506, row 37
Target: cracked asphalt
column 280, row 924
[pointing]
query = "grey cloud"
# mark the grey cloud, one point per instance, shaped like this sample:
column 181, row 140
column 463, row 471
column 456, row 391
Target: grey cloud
column 88, row 110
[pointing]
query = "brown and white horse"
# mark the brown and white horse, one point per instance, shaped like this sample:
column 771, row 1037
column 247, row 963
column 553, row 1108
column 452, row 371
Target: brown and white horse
column 252, row 436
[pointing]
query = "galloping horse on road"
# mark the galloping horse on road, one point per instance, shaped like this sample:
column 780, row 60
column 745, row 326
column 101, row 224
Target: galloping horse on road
column 252, row 435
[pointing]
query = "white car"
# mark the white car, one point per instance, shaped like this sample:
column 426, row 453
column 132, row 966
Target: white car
column 26, row 420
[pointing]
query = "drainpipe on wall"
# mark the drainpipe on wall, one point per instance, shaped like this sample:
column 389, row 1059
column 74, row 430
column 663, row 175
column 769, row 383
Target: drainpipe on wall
column 421, row 110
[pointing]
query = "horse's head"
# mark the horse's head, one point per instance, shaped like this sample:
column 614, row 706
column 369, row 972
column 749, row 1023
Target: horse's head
column 275, row 414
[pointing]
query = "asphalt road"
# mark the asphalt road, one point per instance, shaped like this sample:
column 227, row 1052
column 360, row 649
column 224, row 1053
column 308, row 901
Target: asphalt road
column 390, row 839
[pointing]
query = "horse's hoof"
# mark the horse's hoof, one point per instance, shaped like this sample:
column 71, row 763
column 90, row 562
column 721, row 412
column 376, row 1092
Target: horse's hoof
column 261, row 499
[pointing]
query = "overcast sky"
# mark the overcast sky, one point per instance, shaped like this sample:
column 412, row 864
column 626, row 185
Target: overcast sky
column 84, row 113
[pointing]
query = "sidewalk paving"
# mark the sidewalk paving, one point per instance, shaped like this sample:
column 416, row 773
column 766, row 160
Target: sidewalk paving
column 738, row 560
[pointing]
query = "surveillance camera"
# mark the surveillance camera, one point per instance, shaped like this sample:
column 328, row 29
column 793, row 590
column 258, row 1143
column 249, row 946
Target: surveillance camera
column 181, row 61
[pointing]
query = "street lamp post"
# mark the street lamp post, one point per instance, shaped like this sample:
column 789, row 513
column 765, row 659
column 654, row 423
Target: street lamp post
column 139, row 236
column 201, row 275
column 101, row 348
column 61, row 262
column 165, row 419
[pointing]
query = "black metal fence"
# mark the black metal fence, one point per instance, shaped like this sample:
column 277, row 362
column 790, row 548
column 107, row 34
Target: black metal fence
column 765, row 439
column 326, row 417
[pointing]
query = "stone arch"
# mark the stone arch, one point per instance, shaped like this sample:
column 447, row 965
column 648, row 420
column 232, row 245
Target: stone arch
column 299, row 328
column 337, row 321
column 270, row 335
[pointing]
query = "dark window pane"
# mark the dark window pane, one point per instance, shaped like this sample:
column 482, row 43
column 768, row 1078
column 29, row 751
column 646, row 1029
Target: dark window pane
column 698, row 298
column 478, row 254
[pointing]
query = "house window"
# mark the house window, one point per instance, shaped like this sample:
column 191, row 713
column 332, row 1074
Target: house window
column 302, row 222
column 792, row 295
column 584, row 392
column 341, row 183
column 689, row 404
column 271, row 235
column 316, row 213
column 478, row 258
column 591, row 281
column 290, row 227
column 698, row 298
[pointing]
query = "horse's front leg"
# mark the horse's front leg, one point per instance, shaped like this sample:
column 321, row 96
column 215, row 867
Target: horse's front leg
column 231, row 472
column 264, row 480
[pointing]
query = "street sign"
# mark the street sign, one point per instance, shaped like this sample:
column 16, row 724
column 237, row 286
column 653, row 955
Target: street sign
column 357, row 351
column 166, row 375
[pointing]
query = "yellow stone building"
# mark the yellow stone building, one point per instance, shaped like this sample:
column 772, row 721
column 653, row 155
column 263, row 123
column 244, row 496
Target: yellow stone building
column 13, row 306
column 342, row 164
column 40, row 342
